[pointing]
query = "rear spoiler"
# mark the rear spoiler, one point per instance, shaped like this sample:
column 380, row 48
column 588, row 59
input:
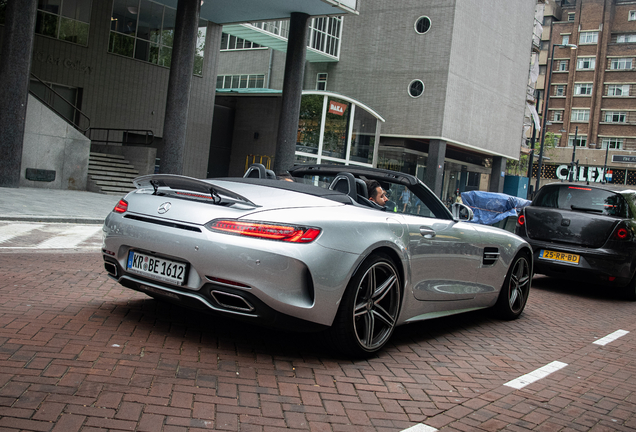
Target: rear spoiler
column 190, row 184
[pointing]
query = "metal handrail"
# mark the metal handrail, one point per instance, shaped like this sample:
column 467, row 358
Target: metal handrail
column 121, row 136
column 78, row 115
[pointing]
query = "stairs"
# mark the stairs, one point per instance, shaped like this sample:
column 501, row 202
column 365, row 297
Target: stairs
column 110, row 174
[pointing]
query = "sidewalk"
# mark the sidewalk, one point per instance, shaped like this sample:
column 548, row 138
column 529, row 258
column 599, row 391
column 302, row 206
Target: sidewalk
column 54, row 205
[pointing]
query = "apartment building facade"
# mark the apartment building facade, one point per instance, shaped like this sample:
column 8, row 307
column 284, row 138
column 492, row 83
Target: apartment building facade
column 591, row 105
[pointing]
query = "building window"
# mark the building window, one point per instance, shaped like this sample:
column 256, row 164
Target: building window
column 416, row 88
column 559, row 90
column 571, row 17
column 562, row 66
column 632, row 16
column 557, row 116
column 144, row 30
column 585, row 63
column 581, row 141
column 324, row 35
column 321, row 81
column 613, row 143
column 67, row 20
column 583, row 89
column 621, row 63
column 626, row 38
column 565, row 39
column 240, row 81
column 589, row 37
column 423, row 24
column 618, row 90
column 580, row 115
column 615, row 117
column 229, row 42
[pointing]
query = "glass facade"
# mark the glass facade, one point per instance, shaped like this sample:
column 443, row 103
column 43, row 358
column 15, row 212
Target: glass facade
column 144, row 30
column 67, row 20
column 336, row 129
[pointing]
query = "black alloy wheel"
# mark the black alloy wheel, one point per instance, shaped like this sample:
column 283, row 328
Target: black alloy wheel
column 516, row 288
column 369, row 308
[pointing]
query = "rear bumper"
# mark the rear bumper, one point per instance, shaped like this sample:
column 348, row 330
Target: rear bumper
column 600, row 266
column 214, row 298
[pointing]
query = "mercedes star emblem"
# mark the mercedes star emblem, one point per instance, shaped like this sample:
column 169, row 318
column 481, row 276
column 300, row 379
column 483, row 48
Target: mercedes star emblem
column 163, row 208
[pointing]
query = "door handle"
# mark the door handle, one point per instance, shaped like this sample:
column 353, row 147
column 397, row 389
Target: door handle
column 427, row 232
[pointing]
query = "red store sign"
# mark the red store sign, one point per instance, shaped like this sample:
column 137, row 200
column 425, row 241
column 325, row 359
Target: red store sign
column 337, row 108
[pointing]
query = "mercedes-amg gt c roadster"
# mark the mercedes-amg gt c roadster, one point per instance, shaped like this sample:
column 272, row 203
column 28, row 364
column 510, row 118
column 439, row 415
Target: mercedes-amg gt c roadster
column 314, row 253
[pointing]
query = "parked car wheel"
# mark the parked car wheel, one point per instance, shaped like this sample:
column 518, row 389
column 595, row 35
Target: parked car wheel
column 516, row 288
column 369, row 308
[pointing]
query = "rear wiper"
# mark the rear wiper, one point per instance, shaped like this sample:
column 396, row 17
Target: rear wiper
column 587, row 209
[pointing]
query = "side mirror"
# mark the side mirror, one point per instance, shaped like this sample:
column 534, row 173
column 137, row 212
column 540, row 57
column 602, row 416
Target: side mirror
column 461, row 212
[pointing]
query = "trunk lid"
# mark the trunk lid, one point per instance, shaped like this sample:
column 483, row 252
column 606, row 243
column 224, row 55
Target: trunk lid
column 194, row 201
column 570, row 227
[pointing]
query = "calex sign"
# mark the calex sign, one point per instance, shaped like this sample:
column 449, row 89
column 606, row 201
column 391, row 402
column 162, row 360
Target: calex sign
column 591, row 174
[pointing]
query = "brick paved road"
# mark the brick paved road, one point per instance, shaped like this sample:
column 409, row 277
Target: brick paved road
column 78, row 352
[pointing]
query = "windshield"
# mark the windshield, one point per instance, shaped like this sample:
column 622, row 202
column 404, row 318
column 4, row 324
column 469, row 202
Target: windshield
column 581, row 198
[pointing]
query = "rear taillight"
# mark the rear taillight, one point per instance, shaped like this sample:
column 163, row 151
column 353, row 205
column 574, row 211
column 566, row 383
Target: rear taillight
column 121, row 206
column 521, row 220
column 280, row 232
column 622, row 233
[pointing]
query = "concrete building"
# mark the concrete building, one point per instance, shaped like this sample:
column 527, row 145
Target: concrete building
column 138, row 77
column 449, row 79
column 591, row 112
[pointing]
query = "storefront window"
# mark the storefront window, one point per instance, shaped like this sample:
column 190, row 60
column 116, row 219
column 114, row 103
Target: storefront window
column 309, row 124
column 336, row 128
column 363, row 137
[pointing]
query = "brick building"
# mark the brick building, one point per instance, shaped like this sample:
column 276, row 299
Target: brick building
column 591, row 108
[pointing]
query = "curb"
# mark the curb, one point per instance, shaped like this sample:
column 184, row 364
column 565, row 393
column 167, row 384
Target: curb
column 53, row 219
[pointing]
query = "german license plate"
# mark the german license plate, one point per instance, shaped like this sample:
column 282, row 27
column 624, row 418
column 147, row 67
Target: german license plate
column 156, row 268
column 559, row 256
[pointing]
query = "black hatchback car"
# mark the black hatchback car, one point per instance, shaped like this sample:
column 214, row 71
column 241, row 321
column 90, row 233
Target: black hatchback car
column 584, row 233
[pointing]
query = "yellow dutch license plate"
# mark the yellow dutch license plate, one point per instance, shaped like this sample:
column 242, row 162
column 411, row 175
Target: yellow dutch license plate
column 559, row 256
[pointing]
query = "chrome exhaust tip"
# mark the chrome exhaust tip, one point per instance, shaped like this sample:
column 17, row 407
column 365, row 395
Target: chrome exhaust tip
column 110, row 268
column 231, row 301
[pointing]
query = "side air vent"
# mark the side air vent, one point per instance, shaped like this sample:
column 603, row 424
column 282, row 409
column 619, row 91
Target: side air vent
column 163, row 223
column 491, row 255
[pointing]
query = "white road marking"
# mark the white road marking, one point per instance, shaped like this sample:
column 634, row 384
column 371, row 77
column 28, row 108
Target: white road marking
column 611, row 337
column 536, row 375
column 8, row 232
column 70, row 237
column 420, row 428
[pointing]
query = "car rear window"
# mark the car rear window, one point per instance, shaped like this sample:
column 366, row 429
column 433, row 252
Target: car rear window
column 581, row 198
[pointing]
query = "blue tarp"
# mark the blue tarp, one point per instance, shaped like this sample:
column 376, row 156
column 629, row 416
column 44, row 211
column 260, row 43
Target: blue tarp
column 490, row 207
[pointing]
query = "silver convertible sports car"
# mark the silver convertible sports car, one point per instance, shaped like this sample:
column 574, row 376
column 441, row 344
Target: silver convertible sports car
column 314, row 253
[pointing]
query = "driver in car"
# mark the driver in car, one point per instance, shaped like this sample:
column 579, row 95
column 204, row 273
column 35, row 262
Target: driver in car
column 376, row 193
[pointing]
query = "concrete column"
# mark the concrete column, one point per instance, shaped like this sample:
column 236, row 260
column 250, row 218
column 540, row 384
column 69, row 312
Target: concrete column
column 497, row 176
column 15, row 66
column 463, row 179
column 435, row 166
column 179, row 84
column 292, row 92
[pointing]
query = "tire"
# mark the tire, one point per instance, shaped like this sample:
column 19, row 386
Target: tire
column 369, row 309
column 516, row 288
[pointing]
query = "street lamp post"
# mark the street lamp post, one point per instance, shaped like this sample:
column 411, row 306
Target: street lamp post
column 604, row 179
column 545, row 111
column 572, row 173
